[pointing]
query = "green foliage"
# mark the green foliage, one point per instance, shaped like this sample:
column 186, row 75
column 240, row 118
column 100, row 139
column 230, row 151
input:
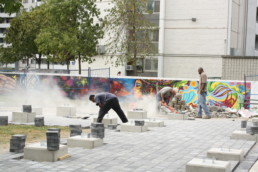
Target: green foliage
column 71, row 30
column 10, row 6
column 23, row 31
column 128, row 31
column 62, row 30
column 9, row 55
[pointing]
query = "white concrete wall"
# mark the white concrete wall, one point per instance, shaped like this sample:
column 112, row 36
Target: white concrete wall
column 251, row 28
column 205, row 36
column 188, row 44
column 186, row 67
column 103, row 62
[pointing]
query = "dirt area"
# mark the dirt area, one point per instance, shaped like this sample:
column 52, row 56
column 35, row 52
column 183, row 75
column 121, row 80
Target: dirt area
column 34, row 134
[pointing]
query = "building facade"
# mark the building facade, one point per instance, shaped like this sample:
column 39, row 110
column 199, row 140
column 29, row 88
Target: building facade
column 198, row 33
column 191, row 34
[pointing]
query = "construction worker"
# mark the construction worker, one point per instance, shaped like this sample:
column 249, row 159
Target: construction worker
column 202, row 93
column 165, row 95
column 107, row 101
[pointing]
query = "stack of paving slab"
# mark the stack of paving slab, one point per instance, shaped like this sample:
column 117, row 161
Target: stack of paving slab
column 75, row 130
column 3, row 120
column 27, row 116
column 134, row 126
column 112, row 126
column 66, row 111
column 250, row 132
column 97, row 130
column 50, row 151
column 17, row 143
column 53, row 140
column 39, row 121
column 107, row 121
column 137, row 114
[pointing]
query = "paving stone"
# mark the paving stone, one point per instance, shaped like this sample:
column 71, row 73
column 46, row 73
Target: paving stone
column 163, row 148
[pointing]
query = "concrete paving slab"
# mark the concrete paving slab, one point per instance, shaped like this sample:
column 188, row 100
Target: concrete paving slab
column 36, row 152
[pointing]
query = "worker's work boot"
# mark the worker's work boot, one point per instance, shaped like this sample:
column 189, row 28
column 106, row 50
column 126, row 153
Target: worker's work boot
column 206, row 117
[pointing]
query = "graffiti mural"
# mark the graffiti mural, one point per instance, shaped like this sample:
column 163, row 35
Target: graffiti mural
column 220, row 93
column 72, row 86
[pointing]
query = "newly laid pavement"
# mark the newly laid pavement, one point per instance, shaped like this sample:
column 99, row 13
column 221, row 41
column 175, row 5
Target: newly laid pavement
column 159, row 149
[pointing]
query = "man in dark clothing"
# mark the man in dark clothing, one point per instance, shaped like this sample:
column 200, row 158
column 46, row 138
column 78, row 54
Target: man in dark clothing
column 107, row 101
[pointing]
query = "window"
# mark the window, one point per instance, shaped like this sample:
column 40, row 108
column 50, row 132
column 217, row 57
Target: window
column 156, row 7
column 154, row 35
column 2, row 30
column 33, row 61
column 1, row 40
column 25, row 1
column 8, row 20
column 24, row 61
column 139, row 63
column 256, row 42
column 153, row 6
column 151, row 64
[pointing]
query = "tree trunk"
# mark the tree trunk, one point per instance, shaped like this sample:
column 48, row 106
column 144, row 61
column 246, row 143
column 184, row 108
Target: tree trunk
column 68, row 63
column 40, row 55
column 48, row 65
column 134, row 42
column 79, row 63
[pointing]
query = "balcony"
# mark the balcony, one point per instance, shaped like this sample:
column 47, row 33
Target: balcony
column 6, row 15
column 4, row 25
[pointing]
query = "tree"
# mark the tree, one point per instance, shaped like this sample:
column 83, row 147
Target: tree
column 71, row 32
column 10, row 6
column 23, row 31
column 128, row 32
column 8, row 55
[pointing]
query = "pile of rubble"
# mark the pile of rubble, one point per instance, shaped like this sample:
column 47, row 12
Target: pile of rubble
column 178, row 104
column 180, row 107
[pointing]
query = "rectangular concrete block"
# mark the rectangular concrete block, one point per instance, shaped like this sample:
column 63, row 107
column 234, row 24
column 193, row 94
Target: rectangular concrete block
column 242, row 135
column 23, row 117
column 39, row 111
column 107, row 121
column 200, row 165
column 26, row 108
column 3, row 120
column 254, row 119
column 174, row 116
column 154, row 123
column 66, row 111
column 226, row 154
column 36, row 152
column 136, row 114
column 84, row 142
column 133, row 128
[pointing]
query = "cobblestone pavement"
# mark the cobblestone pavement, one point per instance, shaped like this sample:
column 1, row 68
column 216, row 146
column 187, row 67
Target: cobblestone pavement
column 160, row 149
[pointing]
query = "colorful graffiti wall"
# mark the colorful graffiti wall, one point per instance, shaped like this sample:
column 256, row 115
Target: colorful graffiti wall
column 220, row 93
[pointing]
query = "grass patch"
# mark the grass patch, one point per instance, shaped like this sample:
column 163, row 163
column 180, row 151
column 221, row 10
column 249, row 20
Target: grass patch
column 33, row 133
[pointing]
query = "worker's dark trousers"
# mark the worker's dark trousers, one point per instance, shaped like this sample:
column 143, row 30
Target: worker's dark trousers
column 111, row 104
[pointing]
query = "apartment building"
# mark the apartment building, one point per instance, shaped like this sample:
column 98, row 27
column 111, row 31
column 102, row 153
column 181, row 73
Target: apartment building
column 196, row 33
column 191, row 34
